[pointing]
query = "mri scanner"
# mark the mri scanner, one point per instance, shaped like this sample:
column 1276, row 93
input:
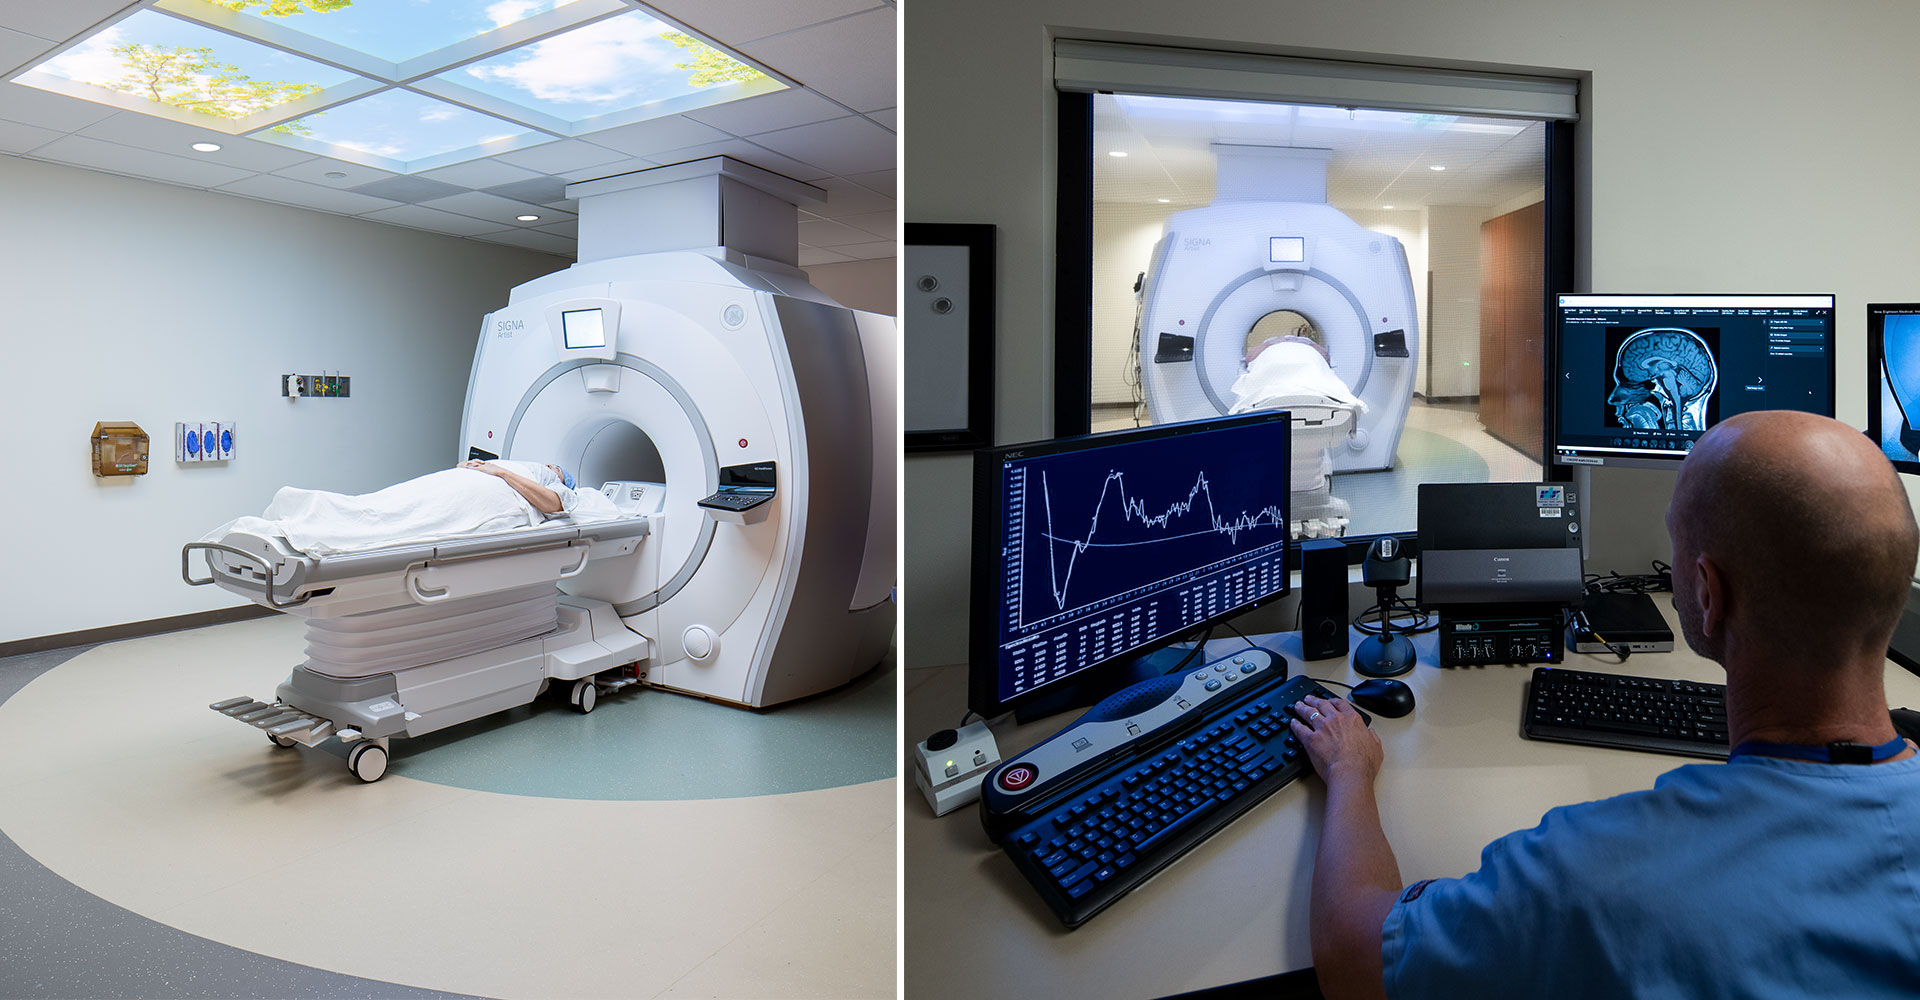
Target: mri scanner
column 741, row 420
column 1270, row 244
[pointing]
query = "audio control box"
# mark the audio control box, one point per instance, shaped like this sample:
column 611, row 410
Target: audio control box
column 1502, row 635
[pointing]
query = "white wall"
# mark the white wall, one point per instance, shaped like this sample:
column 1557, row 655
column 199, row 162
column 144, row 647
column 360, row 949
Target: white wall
column 1697, row 154
column 871, row 285
column 132, row 300
column 1453, row 348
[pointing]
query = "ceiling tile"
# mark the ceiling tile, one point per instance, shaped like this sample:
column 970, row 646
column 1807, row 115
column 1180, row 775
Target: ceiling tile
column 844, row 197
column 888, row 118
column 291, row 192
column 826, row 233
column 885, row 182
column 492, row 208
column 849, row 60
column 810, row 256
column 61, row 20
column 869, row 251
column 649, row 137
column 315, row 171
column 843, row 146
column 115, row 158
column 18, row 138
column 415, row 217
column 130, row 128
column 32, row 106
column 748, row 152
column 739, row 21
column 535, row 191
column 18, row 49
column 882, row 224
column 556, row 157
column 533, row 240
column 569, row 229
column 483, row 173
column 769, row 112
column 411, row 190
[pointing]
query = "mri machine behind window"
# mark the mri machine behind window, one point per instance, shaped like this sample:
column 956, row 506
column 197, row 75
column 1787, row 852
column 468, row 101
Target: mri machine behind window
column 1271, row 244
column 743, row 422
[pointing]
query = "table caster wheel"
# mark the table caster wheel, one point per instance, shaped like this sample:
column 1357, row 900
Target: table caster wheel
column 367, row 762
column 585, row 695
column 279, row 741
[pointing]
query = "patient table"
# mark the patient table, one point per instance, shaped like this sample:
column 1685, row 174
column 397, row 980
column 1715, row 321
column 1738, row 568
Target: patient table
column 418, row 636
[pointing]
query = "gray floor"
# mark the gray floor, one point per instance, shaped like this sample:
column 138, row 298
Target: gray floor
column 58, row 941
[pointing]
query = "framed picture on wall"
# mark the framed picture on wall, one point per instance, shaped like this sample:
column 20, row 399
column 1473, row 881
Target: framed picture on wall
column 946, row 313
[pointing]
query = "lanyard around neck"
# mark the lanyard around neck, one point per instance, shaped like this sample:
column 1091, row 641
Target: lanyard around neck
column 1832, row 753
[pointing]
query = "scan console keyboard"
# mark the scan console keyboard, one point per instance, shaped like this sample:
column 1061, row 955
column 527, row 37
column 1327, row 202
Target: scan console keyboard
column 1627, row 712
column 1145, row 776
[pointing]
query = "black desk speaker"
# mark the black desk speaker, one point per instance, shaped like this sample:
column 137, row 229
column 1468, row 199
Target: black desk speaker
column 1323, row 598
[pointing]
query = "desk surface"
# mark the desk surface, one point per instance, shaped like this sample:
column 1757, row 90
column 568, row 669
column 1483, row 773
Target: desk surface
column 1458, row 775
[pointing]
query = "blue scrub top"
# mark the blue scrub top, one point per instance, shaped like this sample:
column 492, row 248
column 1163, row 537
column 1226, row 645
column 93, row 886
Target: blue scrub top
column 1760, row 877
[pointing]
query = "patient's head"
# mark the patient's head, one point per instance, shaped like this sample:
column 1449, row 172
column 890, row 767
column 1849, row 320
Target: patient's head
column 566, row 478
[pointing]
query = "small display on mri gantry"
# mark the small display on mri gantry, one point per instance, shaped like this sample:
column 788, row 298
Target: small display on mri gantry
column 583, row 328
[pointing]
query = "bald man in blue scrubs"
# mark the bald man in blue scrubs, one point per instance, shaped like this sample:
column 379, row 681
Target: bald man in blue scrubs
column 1792, row 870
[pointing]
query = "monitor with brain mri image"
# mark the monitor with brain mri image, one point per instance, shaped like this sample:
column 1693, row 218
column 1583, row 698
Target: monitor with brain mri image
column 1664, row 378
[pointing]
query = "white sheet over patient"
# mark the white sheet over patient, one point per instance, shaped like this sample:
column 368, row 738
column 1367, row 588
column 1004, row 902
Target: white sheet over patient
column 1290, row 369
column 439, row 505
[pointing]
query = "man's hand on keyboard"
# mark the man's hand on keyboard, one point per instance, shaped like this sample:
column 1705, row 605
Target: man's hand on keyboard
column 1337, row 740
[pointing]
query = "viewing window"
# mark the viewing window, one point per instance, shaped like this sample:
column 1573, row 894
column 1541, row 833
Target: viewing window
column 1383, row 274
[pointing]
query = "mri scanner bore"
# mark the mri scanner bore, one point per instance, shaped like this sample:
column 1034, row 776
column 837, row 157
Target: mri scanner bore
column 740, row 422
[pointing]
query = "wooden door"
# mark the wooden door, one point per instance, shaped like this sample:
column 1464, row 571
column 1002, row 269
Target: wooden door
column 1513, row 357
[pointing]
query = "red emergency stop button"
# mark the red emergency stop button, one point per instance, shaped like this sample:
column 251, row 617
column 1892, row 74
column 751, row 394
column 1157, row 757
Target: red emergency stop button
column 1017, row 777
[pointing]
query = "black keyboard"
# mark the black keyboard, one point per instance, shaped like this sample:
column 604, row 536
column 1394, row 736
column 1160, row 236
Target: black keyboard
column 1144, row 777
column 1632, row 713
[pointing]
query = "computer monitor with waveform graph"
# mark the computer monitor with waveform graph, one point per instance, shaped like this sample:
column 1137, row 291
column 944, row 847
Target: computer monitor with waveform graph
column 1091, row 552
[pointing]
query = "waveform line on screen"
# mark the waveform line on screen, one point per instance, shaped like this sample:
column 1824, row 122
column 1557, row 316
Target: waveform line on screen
column 1132, row 508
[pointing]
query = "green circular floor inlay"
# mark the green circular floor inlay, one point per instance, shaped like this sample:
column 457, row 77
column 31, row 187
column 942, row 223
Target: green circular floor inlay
column 649, row 744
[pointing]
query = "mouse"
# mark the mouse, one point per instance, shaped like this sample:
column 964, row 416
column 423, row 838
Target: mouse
column 1380, row 696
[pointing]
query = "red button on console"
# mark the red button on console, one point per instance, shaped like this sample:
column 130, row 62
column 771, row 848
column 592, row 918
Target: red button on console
column 1017, row 777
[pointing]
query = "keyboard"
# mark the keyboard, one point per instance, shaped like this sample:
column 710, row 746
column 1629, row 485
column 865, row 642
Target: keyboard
column 1144, row 777
column 1631, row 713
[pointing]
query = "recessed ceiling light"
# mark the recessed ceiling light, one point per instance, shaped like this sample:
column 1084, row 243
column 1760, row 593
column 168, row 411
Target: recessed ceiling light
column 206, row 147
column 528, row 218
column 1436, row 167
column 1119, row 153
column 1164, row 201
column 1386, row 206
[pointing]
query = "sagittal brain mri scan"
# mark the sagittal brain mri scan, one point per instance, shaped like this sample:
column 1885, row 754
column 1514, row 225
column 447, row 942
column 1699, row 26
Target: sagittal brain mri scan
column 1663, row 379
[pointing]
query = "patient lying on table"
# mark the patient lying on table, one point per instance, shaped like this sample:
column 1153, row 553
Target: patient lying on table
column 473, row 498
